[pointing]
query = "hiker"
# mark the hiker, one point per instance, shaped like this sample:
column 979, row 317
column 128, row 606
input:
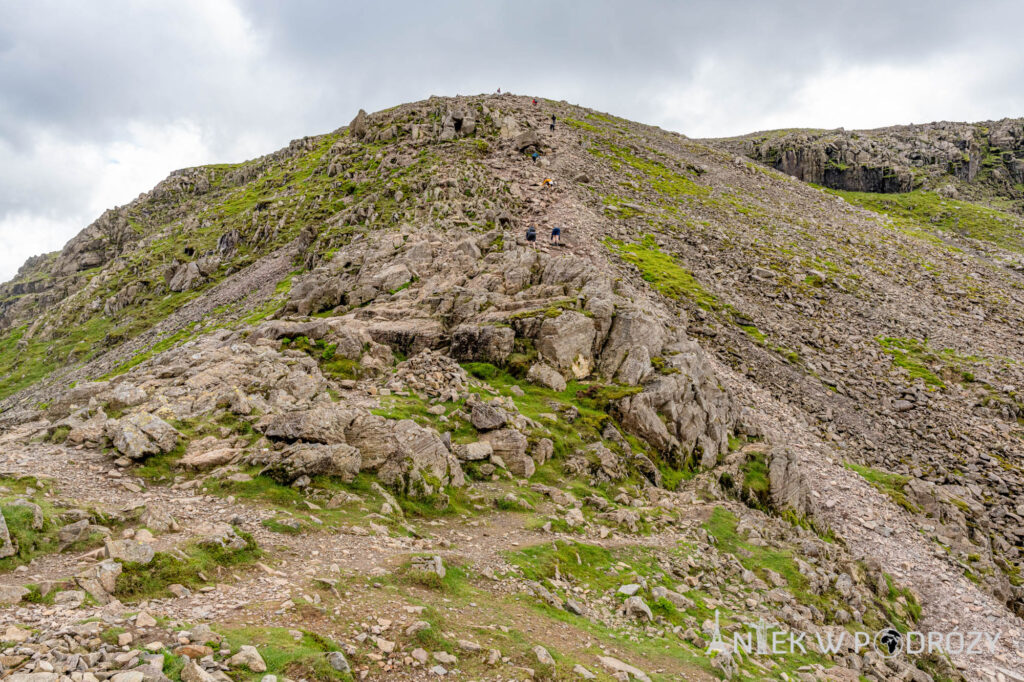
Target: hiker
column 534, row 101
column 556, row 236
column 535, row 156
column 552, row 123
column 548, row 182
column 531, row 235
column 499, row 91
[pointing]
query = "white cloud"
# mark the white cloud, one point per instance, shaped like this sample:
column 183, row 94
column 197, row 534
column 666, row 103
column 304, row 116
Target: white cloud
column 91, row 177
column 721, row 99
column 97, row 106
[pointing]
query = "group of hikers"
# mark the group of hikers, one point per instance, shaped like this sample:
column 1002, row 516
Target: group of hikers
column 531, row 231
column 556, row 236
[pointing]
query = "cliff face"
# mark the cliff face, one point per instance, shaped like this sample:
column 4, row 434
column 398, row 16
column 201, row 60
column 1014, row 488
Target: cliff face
column 723, row 387
column 899, row 158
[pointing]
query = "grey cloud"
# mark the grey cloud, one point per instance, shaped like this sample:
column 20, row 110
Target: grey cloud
column 82, row 73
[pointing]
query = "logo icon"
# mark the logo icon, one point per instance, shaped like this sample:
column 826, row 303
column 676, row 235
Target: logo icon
column 888, row 642
column 717, row 645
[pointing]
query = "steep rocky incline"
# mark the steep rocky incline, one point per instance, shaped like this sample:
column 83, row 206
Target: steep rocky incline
column 724, row 390
column 979, row 159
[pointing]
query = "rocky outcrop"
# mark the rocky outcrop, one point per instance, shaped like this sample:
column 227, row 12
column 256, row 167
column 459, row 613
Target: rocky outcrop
column 319, row 424
column 141, row 434
column 511, row 446
column 482, row 343
column 315, row 459
column 567, row 343
column 898, row 158
column 682, row 413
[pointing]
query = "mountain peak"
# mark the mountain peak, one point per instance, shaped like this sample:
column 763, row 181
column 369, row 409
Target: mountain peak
column 704, row 391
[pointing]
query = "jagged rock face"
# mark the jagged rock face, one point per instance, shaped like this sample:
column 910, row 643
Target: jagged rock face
column 896, row 159
column 95, row 245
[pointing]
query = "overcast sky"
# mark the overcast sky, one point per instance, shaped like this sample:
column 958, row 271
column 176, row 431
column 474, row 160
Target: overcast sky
column 100, row 100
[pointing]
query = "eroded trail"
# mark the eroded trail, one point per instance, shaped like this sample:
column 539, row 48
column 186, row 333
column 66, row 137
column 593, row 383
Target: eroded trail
column 873, row 527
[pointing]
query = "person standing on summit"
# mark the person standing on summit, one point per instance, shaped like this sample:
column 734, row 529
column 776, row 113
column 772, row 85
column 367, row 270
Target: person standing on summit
column 552, row 123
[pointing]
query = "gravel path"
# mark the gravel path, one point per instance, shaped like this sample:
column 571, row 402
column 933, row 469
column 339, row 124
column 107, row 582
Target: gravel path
column 874, row 527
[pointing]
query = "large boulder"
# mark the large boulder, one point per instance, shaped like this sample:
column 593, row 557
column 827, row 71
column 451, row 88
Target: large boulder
column 634, row 338
column 315, row 459
column 374, row 437
column 790, row 486
column 544, row 375
column 129, row 550
column 321, row 424
column 358, row 127
column 391, row 277
column 184, row 277
column 141, row 434
column 511, row 447
column 684, row 412
column 125, row 395
column 526, row 139
column 90, row 432
column 482, row 343
column 12, row 594
column 487, row 417
column 408, row 335
column 605, row 464
column 421, row 465
column 473, row 452
column 567, row 342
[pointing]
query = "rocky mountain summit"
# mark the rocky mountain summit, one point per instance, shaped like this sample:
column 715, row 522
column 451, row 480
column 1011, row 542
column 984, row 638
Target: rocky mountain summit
column 327, row 414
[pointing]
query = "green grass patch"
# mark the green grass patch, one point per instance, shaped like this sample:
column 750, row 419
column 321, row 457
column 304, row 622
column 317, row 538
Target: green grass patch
column 325, row 355
column 302, row 657
column 201, row 565
column 928, row 212
column 892, row 485
column 913, row 356
column 663, row 272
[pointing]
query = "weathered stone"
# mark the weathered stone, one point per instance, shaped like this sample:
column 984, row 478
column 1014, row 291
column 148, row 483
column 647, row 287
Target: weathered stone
column 567, row 342
column 12, row 594
column 129, row 550
column 510, row 445
column 208, row 459
column 486, row 417
column 320, row 424
column 358, row 127
column 472, row 452
column 527, row 139
column 248, row 657
column 482, row 343
column 125, row 395
column 544, row 375
column 616, row 666
column 429, row 564
column 542, row 451
column 337, row 660
column 141, row 434
column 315, row 459
column 543, row 656
column 193, row 673
column 7, row 546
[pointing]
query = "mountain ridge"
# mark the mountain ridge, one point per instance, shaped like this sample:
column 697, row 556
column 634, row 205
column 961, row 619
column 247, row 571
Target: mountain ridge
column 710, row 326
